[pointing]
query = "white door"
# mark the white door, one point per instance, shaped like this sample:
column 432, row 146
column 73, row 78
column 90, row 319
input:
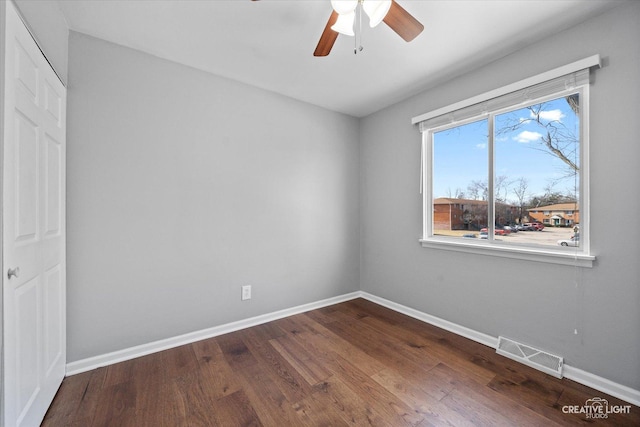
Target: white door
column 33, row 221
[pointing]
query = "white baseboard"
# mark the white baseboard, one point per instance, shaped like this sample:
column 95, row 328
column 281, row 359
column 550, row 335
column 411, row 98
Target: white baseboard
column 95, row 362
column 604, row 385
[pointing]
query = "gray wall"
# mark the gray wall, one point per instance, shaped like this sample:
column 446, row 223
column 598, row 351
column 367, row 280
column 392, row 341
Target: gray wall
column 183, row 186
column 533, row 302
column 49, row 27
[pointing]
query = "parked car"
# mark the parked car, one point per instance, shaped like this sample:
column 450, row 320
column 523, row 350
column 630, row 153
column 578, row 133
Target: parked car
column 573, row 241
column 533, row 226
column 497, row 232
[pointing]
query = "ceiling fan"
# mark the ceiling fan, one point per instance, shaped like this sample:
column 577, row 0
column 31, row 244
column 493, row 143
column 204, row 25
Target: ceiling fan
column 342, row 19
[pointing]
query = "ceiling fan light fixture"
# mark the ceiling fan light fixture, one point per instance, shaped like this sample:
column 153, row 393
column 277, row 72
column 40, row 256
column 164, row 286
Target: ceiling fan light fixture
column 376, row 10
column 343, row 17
column 343, row 7
column 344, row 23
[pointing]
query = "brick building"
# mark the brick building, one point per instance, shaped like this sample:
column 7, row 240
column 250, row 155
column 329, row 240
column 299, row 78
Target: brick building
column 558, row 215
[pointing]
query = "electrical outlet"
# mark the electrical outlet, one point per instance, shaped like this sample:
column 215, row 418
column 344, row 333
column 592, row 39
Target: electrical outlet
column 246, row 292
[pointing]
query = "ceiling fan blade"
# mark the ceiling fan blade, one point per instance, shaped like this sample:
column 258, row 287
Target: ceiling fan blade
column 402, row 22
column 328, row 37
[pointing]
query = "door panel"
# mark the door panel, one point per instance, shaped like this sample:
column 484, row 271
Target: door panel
column 27, row 302
column 34, row 232
column 26, row 175
column 53, row 193
column 26, row 70
column 53, row 316
column 53, row 102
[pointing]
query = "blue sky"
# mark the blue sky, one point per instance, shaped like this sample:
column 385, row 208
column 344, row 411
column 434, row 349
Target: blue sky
column 460, row 153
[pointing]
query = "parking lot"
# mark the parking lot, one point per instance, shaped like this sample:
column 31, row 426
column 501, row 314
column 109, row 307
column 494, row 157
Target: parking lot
column 548, row 236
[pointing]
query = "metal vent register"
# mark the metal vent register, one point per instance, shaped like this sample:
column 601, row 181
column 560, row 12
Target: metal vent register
column 533, row 357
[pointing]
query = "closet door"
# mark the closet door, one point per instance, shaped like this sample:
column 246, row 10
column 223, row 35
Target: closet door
column 33, row 221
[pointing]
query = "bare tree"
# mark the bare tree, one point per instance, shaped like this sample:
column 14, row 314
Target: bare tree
column 552, row 196
column 559, row 140
column 501, row 188
column 478, row 190
column 556, row 138
column 455, row 194
column 519, row 189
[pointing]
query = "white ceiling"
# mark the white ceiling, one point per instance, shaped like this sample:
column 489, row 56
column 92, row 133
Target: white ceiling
column 270, row 43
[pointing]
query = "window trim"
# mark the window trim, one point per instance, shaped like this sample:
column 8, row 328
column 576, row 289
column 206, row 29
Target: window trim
column 592, row 61
column 582, row 255
column 550, row 255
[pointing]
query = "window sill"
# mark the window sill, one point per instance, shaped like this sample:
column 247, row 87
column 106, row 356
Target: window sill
column 504, row 251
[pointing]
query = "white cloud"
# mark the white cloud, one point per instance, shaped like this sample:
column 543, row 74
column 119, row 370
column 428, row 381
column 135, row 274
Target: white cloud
column 551, row 115
column 481, row 146
column 526, row 137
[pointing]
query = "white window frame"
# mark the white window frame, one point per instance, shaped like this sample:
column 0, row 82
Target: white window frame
column 579, row 256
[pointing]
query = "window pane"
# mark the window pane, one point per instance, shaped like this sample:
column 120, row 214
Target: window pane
column 459, row 180
column 537, row 172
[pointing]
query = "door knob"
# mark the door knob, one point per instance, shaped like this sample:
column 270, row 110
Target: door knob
column 13, row 272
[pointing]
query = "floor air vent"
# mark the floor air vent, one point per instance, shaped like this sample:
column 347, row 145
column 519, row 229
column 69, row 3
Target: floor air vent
column 537, row 359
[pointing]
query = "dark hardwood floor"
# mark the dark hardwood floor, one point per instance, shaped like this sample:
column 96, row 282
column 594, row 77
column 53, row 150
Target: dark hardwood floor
column 354, row 363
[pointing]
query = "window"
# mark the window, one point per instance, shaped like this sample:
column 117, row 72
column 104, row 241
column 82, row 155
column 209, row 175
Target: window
column 502, row 174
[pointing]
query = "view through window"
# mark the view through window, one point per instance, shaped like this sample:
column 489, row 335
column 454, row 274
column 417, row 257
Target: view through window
column 516, row 169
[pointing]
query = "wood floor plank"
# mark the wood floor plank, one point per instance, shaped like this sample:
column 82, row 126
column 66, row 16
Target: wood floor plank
column 220, row 378
column 162, row 402
column 544, row 402
column 377, row 345
column 322, row 317
column 68, row 400
column 312, row 411
column 420, row 400
column 84, row 412
column 350, row 406
column 516, row 412
column 268, row 401
column 345, row 362
column 236, row 410
column 321, row 339
column 372, row 309
column 353, row 363
column 393, row 409
column 178, row 361
column 474, row 411
column 292, row 384
column 421, row 340
column 236, row 351
column 117, row 405
column 301, row 360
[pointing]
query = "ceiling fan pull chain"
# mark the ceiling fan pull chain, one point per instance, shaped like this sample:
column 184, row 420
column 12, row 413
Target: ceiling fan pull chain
column 357, row 48
column 355, row 38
